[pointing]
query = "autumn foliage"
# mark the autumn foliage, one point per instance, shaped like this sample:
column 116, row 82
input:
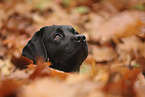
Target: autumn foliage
column 115, row 31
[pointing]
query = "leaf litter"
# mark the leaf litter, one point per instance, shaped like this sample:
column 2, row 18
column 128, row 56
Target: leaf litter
column 116, row 41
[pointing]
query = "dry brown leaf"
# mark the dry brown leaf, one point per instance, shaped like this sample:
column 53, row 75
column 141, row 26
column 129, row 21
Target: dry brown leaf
column 46, row 88
column 6, row 67
column 131, row 48
column 31, row 67
column 53, row 88
column 57, row 73
column 9, row 88
column 43, row 70
column 122, row 25
column 18, row 75
column 141, row 62
column 17, row 23
column 20, row 61
column 103, row 53
column 124, row 86
column 140, row 86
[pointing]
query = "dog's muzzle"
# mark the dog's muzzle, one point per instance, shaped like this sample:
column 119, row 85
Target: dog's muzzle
column 79, row 38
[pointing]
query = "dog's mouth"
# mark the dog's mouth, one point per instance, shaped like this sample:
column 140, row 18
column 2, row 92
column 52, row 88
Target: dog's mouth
column 75, row 57
column 81, row 48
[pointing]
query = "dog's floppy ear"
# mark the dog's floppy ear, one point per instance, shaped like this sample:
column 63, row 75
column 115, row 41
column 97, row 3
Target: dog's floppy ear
column 35, row 48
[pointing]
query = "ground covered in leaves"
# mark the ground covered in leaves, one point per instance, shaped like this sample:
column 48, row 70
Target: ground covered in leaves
column 115, row 31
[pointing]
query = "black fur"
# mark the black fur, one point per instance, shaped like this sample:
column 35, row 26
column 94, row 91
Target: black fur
column 61, row 44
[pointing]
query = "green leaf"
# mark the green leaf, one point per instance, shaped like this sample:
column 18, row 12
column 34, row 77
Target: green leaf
column 136, row 66
column 41, row 4
column 85, row 68
column 82, row 9
column 139, row 7
column 66, row 2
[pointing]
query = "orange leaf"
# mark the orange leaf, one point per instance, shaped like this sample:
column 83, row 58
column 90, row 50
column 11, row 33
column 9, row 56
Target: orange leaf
column 58, row 73
column 124, row 86
column 8, row 88
column 31, row 66
column 43, row 70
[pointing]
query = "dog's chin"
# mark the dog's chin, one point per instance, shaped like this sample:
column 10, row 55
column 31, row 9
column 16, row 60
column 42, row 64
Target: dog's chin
column 76, row 57
column 73, row 59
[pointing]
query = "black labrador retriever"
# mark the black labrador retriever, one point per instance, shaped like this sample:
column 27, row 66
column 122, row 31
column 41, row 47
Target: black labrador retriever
column 63, row 46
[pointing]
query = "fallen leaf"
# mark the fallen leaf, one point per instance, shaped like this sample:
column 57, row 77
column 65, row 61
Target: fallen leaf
column 43, row 70
column 103, row 53
column 122, row 25
column 125, row 86
column 9, row 88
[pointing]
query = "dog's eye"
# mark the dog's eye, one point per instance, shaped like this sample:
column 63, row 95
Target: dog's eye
column 57, row 36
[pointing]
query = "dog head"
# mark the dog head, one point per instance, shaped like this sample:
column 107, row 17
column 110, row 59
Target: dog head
column 65, row 48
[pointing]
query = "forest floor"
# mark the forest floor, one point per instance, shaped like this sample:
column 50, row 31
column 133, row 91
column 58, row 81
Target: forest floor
column 115, row 32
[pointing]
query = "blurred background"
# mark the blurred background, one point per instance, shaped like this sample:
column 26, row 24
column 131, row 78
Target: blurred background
column 115, row 31
column 114, row 28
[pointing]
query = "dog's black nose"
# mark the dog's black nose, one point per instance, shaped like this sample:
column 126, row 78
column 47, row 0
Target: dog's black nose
column 79, row 38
